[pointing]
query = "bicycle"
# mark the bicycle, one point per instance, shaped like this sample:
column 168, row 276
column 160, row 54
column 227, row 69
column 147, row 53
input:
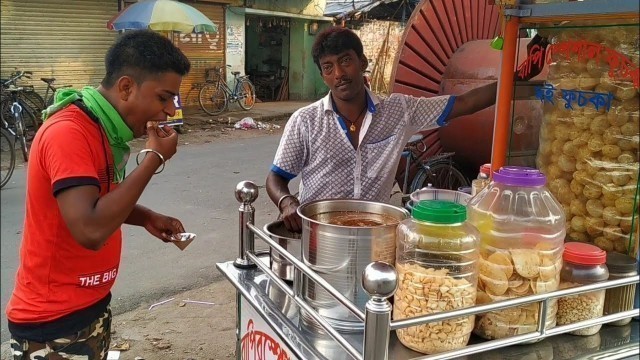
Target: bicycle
column 17, row 111
column 7, row 155
column 48, row 100
column 215, row 94
column 438, row 171
column 28, row 96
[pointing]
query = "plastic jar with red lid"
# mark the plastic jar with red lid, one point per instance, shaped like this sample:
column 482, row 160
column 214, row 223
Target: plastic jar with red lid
column 582, row 264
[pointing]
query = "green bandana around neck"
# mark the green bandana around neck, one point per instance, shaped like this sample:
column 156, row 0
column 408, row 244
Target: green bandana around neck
column 116, row 130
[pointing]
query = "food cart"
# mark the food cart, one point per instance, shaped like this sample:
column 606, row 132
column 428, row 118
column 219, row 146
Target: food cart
column 275, row 319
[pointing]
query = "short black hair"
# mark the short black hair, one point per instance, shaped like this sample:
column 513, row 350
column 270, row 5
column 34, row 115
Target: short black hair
column 140, row 54
column 335, row 40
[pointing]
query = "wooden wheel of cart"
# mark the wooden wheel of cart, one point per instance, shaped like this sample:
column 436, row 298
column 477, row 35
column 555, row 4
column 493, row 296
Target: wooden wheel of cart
column 435, row 31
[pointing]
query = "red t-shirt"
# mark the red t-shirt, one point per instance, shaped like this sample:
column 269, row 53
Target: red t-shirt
column 57, row 276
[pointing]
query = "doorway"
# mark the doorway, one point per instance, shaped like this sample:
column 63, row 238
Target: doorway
column 267, row 56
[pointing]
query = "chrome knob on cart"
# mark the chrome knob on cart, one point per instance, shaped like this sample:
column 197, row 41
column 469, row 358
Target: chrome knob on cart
column 270, row 325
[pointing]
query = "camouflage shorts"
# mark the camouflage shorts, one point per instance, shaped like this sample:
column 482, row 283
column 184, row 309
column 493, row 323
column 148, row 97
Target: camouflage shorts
column 90, row 343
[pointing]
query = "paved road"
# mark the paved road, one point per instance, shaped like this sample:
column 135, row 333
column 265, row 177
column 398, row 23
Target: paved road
column 197, row 187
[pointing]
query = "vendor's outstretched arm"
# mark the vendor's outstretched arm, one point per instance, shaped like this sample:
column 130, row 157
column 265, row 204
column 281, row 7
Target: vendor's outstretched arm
column 474, row 100
column 277, row 188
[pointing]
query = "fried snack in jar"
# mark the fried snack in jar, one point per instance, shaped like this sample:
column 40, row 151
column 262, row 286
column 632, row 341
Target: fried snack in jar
column 520, row 254
column 583, row 264
column 437, row 264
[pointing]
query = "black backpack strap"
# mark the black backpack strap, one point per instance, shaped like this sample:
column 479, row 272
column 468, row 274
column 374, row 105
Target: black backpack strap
column 80, row 104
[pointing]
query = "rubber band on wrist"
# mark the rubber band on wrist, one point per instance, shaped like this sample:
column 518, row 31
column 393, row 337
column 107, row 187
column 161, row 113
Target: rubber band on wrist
column 282, row 199
column 145, row 151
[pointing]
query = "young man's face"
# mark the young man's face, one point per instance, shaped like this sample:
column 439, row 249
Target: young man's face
column 150, row 101
column 343, row 74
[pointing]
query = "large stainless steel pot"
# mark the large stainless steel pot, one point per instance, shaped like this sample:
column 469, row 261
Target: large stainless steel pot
column 288, row 240
column 339, row 254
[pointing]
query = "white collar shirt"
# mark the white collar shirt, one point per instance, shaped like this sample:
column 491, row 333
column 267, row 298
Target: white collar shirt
column 315, row 145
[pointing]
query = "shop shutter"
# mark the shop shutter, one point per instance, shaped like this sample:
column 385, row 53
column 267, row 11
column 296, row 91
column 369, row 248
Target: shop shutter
column 65, row 39
column 203, row 50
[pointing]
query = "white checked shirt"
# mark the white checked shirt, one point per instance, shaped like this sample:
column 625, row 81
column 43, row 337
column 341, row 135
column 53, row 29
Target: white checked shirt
column 315, row 145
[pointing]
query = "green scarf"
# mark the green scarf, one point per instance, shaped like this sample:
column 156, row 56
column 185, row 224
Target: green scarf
column 118, row 133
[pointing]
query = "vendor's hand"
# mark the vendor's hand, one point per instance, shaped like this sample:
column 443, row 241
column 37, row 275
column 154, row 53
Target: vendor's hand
column 162, row 139
column 163, row 227
column 289, row 214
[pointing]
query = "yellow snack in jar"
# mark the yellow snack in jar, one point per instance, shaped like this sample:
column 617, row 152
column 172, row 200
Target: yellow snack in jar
column 557, row 145
column 592, row 191
column 629, row 130
column 547, row 132
column 626, row 224
column 593, row 166
column 631, row 105
column 561, row 133
column 603, row 243
column 578, row 236
column 607, row 84
column 558, row 184
column 611, row 151
column 611, row 215
column 595, row 143
column 620, row 177
column 626, row 157
column 612, row 233
column 583, row 153
column 566, row 163
column 578, row 224
column 544, row 151
column 612, row 191
column 617, row 116
column 594, row 69
column 578, row 207
column 602, row 178
column 628, row 143
column 581, row 122
column 633, row 174
column 625, row 91
column 574, row 132
column 576, row 186
column 554, row 171
column 599, row 124
column 620, row 245
column 594, row 226
column 612, row 135
column 565, row 196
column 624, row 206
column 595, row 208
column 608, row 202
column 586, row 81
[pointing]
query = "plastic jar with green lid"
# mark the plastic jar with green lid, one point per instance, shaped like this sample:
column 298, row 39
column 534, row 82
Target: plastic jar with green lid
column 437, row 264
column 583, row 264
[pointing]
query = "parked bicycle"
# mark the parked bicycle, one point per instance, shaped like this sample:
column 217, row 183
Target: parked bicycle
column 438, row 171
column 48, row 99
column 216, row 94
column 29, row 99
column 18, row 112
column 7, row 155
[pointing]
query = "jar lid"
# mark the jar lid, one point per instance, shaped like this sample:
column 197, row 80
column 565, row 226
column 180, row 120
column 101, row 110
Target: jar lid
column 621, row 263
column 485, row 169
column 519, row 176
column 439, row 212
column 585, row 254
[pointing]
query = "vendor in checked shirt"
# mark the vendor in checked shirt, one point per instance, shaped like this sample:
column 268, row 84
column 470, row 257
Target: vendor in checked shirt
column 348, row 144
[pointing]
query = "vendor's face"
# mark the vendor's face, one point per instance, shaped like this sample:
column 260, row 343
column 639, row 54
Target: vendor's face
column 152, row 100
column 343, row 74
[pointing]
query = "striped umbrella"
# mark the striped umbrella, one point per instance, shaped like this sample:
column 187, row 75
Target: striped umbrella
column 162, row 15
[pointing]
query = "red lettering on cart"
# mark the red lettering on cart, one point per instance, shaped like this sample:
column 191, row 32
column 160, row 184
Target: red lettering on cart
column 258, row 343
column 620, row 66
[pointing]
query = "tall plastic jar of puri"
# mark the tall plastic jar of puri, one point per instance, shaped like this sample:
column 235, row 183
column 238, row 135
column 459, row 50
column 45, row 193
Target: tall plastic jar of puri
column 522, row 229
column 437, row 264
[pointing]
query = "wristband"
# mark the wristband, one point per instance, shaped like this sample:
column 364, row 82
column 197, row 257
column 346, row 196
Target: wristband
column 144, row 151
column 282, row 198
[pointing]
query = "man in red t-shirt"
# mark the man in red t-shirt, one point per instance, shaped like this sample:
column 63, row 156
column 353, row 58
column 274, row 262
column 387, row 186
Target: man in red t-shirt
column 78, row 198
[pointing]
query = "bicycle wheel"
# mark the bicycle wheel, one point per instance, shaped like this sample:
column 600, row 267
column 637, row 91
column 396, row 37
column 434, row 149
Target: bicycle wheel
column 246, row 93
column 213, row 99
column 441, row 175
column 7, row 157
column 33, row 100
